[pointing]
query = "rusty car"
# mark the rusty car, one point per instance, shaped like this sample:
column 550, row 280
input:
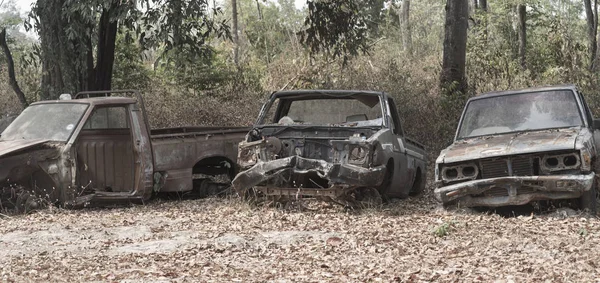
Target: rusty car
column 345, row 146
column 98, row 148
column 520, row 146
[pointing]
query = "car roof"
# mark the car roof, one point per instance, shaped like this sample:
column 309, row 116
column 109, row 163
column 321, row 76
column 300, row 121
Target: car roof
column 524, row 90
column 92, row 101
column 329, row 92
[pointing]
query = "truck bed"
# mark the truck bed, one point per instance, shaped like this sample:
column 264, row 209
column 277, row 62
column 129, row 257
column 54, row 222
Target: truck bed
column 182, row 153
column 192, row 131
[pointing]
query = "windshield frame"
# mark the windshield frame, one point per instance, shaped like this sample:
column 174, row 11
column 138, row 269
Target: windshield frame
column 317, row 95
column 573, row 91
column 76, row 126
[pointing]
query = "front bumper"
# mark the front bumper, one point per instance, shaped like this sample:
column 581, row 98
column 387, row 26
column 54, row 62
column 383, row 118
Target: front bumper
column 514, row 190
column 340, row 177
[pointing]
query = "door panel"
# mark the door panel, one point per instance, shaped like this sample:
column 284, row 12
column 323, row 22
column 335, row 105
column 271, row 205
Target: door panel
column 402, row 181
column 105, row 160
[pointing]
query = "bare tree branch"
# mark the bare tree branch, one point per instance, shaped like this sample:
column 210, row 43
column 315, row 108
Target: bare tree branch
column 11, row 69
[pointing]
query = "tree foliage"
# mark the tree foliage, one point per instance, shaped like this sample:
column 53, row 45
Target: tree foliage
column 337, row 28
column 70, row 31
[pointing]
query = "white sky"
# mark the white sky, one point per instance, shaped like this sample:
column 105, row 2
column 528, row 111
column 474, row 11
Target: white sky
column 24, row 5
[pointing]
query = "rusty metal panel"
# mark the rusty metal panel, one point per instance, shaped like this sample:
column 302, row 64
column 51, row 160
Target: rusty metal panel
column 106, row 160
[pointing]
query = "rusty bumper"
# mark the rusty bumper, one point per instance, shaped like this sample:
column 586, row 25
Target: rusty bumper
column 340, row 177
column 505, row 191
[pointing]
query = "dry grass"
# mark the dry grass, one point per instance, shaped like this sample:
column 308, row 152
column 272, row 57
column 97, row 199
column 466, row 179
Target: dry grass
column 223, row 240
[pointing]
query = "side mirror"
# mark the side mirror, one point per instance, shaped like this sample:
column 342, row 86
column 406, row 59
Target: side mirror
column 596, row 125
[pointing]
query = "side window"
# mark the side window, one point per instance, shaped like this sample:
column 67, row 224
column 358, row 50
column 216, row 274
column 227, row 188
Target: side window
column 588, row 114
column 396, row 127
column 108, row 118
column 269, row 117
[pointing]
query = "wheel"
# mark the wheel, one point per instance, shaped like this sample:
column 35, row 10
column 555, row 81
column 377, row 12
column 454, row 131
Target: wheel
column 385, row 186
column 26, row 202
column 369, row 198
column 589, row 200
column 360, row 198
column 419, row 184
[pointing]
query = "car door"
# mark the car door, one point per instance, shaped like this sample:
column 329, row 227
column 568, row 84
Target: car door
column 105, row 151
column 401, row 182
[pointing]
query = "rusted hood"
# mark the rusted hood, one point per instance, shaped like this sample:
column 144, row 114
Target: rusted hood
column 510, row 144
column 7, row 147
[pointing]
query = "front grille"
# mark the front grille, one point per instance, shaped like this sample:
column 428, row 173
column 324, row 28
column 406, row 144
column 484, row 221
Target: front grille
column 494, row 168
column 522, row 166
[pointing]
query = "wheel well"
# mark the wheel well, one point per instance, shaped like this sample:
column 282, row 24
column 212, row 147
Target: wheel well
column 390, row 166
column 44, row 186
column 215, row 165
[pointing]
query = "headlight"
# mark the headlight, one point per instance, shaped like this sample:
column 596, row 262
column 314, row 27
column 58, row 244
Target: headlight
column 247, row 156
column 559, row 162
column 358, row 154
column 460, row 172
column 249, row 153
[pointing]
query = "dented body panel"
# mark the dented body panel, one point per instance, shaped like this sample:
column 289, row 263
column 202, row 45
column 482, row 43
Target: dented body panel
column 519, row 167
column 111, row 154
column 286, row 155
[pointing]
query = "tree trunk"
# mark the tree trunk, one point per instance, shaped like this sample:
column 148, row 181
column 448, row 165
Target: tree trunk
column 406, row 27
column 107, row 36
column 12, row 79
column 236, row 46
column 57, row 57
column 452, row 77
column 522, row 34
column 597, row 60
column 591, row 13
column 475, row 5
column 483, row 5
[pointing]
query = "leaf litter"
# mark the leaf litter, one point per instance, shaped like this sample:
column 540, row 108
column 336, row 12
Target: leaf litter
column 225, row 240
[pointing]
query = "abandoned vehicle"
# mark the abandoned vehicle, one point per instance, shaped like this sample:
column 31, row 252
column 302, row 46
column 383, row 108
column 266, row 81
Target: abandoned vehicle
column 515, row 147
column 97, row 149
column 342, row 146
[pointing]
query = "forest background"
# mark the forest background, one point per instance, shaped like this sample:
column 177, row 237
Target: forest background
column 214, row 62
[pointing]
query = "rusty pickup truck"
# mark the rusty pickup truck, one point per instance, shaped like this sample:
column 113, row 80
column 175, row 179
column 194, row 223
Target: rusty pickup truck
column 98, row 148
column 334, row 145
column 515, row 147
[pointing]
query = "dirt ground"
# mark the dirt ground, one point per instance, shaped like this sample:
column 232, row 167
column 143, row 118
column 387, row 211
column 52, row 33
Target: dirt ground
column 224, row 240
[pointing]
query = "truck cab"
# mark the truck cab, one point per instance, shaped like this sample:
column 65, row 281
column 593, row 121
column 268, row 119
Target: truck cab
column 99, row 148
column 336, row 145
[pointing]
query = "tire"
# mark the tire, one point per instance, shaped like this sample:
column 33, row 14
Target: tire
column 588, row 200
column 385, row 186
column 26, row 202
column 419, row 184
column 369, row 198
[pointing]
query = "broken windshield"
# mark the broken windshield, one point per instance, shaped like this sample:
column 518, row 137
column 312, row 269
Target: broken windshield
column 355, row 110
column 520, row 112
column 53, row 122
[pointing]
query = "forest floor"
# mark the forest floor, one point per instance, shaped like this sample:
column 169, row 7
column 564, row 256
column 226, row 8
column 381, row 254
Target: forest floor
column 225, row 240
